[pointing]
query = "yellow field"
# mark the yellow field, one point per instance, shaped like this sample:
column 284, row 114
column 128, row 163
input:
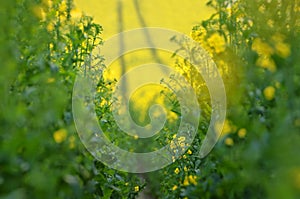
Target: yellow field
column 174, row 14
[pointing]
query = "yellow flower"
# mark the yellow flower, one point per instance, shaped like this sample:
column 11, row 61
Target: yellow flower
column 173, row 159
column 136, row 188
column 277, row 84
column 269, row 93
column 176, row 171
column 39, row 12
column 186, row 181
column 228, row 127
column 217, row 42
column 270, row 23
column 185, row 169
column 172, row 145
column 189, row 152
column 126, row 184
column 242, row 133
column 262, row 48
column 136, row 137
column 63, row 6
column 229, row 142
column 51, row 46
column 266, row 62
column 174, row 187
column 60, row 135
column 181, row 139
column 50, row 27
column 283, row 50
column 192, row 179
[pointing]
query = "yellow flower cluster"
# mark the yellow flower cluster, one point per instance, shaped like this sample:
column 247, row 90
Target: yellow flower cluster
column 265, row 51
column 282, row 49
column 215, row 43
column 176, row 142
column 190, row 180
column 199, row 34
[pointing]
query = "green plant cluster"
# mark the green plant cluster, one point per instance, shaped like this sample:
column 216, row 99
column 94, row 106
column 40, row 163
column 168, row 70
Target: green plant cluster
column 43, row 45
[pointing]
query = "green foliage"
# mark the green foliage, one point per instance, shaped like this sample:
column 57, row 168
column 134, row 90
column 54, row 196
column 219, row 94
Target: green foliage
column 42, row 48
column 257, row 54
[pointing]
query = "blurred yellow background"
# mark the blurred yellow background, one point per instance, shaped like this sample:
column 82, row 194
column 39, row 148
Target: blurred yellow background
column 120, row 15
column 173, row 14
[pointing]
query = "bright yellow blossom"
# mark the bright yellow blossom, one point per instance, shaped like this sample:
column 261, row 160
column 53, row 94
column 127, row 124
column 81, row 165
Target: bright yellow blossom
column 176, row 171
column 283, row 50
column 186, row 181
column 228, row 127
column 189, row 152
column 50, row 27
column 174, row 187
column 192, row 179
column 261, row 47
column 136, row 188
column 63, row 6
column 60, row 135
column 242, row 133
column 199, row 34
column 229, row 142
column 217, row 43
column 266, row 62
column 173, row 159
column 269, row 93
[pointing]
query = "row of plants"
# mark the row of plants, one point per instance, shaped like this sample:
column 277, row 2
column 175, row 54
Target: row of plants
column 44, row 44
column 255, row 45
